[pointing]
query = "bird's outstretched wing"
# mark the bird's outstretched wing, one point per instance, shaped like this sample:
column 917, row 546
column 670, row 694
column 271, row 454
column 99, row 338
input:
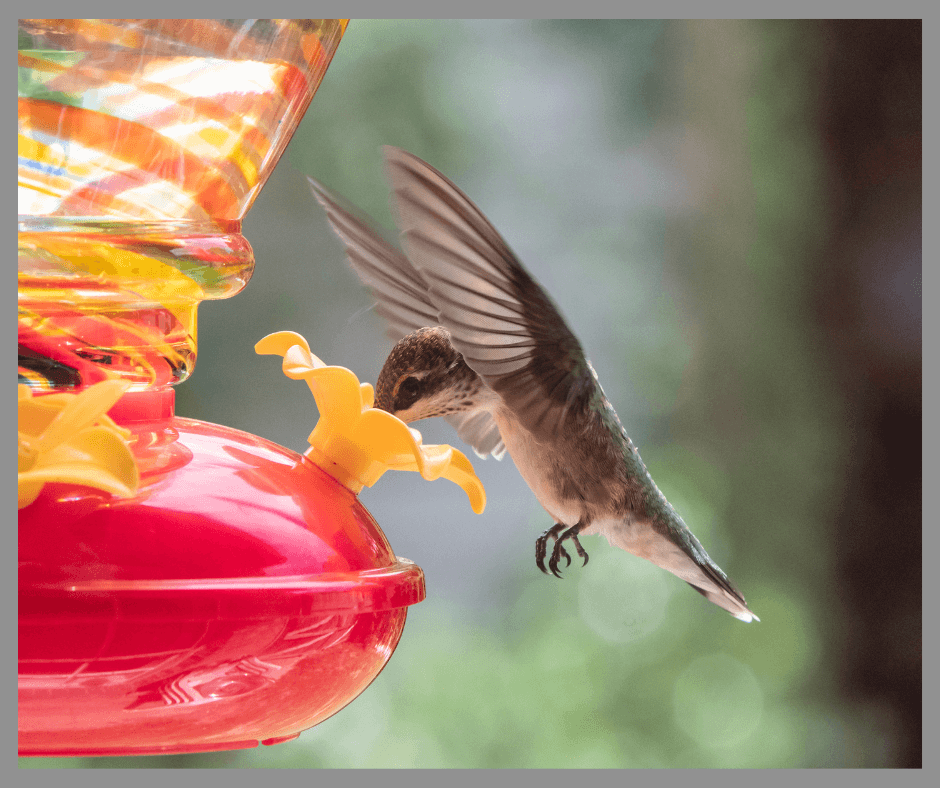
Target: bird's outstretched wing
column 503, row 323
column 401, row 295
column 399, row 290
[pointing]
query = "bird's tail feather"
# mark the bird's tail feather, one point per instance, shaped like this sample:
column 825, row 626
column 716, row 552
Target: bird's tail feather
column 687, row 561
column 735, row 608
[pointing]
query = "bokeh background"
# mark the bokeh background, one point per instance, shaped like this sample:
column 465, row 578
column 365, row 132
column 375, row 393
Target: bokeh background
column 729, row 215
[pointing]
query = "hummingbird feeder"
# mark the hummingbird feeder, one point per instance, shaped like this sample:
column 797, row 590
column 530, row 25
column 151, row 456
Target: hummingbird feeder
column 183, row 586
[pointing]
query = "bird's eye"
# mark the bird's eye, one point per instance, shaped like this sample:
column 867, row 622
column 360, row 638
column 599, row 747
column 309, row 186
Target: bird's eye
column 408, row 392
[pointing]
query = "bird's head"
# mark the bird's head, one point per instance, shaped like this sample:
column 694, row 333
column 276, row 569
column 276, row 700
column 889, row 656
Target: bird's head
column 425, row 376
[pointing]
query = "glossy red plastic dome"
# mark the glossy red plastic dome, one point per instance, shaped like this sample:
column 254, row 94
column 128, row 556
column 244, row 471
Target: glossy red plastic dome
column 242, row 595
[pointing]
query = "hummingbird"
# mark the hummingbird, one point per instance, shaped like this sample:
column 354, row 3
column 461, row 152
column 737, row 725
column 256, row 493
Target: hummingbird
column 480, row 343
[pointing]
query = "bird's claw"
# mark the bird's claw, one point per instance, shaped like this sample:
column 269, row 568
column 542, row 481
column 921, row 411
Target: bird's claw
column 540, row 548
column 559, row 534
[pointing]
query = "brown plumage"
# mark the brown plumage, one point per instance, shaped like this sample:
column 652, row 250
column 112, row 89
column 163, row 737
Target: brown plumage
column 483, row 345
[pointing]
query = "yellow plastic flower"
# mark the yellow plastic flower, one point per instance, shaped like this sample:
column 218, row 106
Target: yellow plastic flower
column 353, row 441
column 68, row 438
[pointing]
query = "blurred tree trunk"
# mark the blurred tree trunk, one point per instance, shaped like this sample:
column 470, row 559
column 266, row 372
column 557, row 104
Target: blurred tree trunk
column 800, row 143
column 869, row 304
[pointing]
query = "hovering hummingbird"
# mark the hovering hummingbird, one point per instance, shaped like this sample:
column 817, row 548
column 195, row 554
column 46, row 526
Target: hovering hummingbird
column 480, row 343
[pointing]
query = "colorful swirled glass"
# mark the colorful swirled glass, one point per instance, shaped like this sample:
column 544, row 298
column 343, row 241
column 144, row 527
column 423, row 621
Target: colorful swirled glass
column 142, row 144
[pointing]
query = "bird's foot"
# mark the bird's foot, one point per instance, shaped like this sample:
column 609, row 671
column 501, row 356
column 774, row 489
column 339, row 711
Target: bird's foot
column 560, row 535
column 572, row 534
column 540, row 548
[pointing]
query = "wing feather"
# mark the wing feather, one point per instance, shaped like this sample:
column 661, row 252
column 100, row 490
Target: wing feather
column 505, row 325
column 402, row 299
column 399, row 290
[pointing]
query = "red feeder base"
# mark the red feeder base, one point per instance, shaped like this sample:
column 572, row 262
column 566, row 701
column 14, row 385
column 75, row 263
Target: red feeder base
column 242, row 596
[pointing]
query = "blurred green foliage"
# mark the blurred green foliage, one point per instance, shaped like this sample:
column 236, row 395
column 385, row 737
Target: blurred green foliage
column 710, row 346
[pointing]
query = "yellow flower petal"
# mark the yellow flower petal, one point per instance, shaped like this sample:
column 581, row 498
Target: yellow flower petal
column 81, row 411
column 434, row 462
column 337, row 394
column 67, row 438
column 278, row 343
column 355, row 442
column 96, row 448
column 298, row 361
column 460, row 471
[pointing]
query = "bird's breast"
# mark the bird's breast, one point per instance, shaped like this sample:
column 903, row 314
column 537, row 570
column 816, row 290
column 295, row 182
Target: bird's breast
column 556, row 474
